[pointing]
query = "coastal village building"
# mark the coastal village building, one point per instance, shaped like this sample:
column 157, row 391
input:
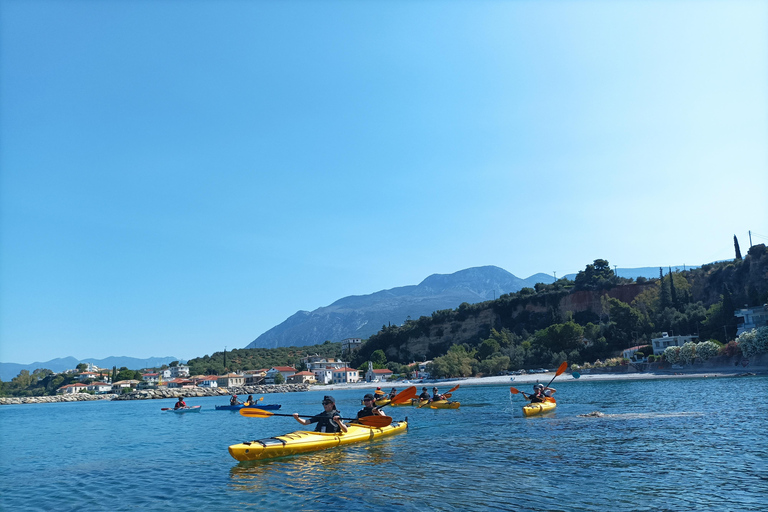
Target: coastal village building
column 322, row 367
column 122, row 384
column 285, row 371
column 661, row 344
column 180, row 383
column 630, row 352
column 349, row 345
column 751, row 318
column 151, row 378
column 206, row 381
column 342, row 375
column 421, row 372
column 179, row 371
column 87, row 375
column 230, row 380
column 255, row 377
column 304, row 377
column 99, row 387
column 72, row 388
column 381, row 375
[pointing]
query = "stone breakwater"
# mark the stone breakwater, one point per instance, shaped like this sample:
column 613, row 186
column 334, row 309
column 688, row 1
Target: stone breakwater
column 152, row 394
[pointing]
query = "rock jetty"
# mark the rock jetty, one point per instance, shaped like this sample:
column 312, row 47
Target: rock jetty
column 151, row 394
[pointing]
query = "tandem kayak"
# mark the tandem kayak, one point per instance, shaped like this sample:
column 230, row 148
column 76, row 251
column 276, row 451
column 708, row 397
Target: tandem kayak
column 268, row 407
column 180, row 410
column 305, row 441
column 539, row 407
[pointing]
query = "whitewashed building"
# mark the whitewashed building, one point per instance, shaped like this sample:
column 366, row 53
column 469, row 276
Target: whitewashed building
column 661, row 344
column 751, row 318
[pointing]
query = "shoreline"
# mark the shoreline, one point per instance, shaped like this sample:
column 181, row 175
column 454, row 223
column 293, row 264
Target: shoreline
column 546, row 377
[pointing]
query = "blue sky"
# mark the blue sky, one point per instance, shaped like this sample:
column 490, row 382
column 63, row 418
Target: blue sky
column 177, row 177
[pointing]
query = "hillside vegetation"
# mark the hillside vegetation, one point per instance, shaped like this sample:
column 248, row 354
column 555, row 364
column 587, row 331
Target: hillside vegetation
column 593, row 317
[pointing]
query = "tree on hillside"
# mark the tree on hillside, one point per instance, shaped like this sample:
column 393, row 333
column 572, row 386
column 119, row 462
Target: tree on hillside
column 596, row 276
column 672, row 290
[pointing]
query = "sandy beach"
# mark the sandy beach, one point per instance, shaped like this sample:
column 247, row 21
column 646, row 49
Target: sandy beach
column 546, row 377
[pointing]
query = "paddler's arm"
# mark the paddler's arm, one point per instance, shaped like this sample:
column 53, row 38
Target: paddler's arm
column 300, row 420
column 342, row 426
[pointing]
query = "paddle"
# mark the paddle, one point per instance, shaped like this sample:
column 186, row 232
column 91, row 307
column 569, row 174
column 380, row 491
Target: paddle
column 560, row 371
column 369, row 421
column 402, row 397
column 446, row 395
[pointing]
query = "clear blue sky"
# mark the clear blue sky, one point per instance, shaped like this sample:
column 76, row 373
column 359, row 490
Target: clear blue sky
column 181, row 176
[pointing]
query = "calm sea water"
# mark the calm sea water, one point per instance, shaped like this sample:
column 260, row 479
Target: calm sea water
column 668, row 445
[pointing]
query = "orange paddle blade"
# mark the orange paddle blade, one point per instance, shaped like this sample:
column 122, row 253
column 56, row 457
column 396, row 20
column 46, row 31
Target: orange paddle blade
column 454, row 388
column 514, row 391
column 562, row 368
column 375, row 421
column 251, row 412
column 404, row 395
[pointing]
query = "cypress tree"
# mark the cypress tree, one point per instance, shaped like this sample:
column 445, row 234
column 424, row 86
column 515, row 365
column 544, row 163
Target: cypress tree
column 663, row 292
column 736, row 245
column 672, row 290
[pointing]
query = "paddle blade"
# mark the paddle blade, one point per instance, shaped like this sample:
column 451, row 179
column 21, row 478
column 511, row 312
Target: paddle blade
column 255, row 413
column 260, row 399
column 448, row 395
column 514, row 391
column 375, row 421
column 404, row 395
column 454, row 388
column 562, row 368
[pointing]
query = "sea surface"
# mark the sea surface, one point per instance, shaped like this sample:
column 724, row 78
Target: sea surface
column 663, row 445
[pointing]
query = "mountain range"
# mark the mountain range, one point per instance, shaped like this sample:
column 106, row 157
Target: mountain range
column 360, row 316
column 60, row 364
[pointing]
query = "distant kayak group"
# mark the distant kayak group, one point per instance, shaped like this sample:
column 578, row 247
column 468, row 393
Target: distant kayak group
column 370, row 422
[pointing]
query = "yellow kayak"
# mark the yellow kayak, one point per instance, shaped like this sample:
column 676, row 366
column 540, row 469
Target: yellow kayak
column 539, row 407
column 442, row 404
column 305, row 441
column 382, row 401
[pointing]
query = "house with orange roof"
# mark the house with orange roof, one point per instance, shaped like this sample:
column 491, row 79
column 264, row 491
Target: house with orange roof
column 285, row 371
column 72, row 388
column 304, row 377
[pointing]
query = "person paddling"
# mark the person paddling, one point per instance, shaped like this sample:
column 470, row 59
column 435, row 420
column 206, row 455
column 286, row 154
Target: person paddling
column 392, row 393
column 368, row 408
column 538, row 394
column 436, row 396
column 181, row 404
column 424, row 394
column 248, row 401
column 234, row 400
column 327, row 421
column 379, row 394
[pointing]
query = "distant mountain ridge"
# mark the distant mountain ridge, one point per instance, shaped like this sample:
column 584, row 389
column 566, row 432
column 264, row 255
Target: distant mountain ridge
column 60, row 364
column 359, row 316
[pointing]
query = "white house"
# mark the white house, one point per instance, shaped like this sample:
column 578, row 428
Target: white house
column 72, row 388
column 661, row 344
column 207, row 381
column 377, row 375
column 179, row 371
column 322, row 367
column 285, row 371
column 121, row 384
column 150, row 378
column 99, row 387
column 421, row 372
column 628, row 353
column 341, row 375
column 751, row 318
column 87, row 375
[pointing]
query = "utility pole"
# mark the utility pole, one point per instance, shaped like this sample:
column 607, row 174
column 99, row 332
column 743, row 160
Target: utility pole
column 750, row 239
column 554, row 273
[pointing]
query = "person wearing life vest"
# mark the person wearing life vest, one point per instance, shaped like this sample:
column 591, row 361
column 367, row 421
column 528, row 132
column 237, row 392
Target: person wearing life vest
column 249, row 401
column 392, row 393
column 327, row 421
column 181, row 404
column 424, row 394
column 538, row 394
column 234, row 400
column 368, row 408
column 379, row 394
column 436, row 396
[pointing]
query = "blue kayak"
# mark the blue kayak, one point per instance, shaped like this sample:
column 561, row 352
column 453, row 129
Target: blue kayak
column 266, row 407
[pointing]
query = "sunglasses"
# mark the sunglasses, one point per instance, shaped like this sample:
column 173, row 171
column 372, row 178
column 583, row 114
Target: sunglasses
column 367, row 400
column 326, row 402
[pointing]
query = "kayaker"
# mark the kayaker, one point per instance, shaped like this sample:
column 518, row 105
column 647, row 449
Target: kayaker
column 369, row 408
column 424, row 394
column 537, row 396
column 234, row 400
column 248, row 401
column 392, row 393
column 548, row 391
column 181, row 404
column 327, row 421
column 379, row 394
column 436, row 396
